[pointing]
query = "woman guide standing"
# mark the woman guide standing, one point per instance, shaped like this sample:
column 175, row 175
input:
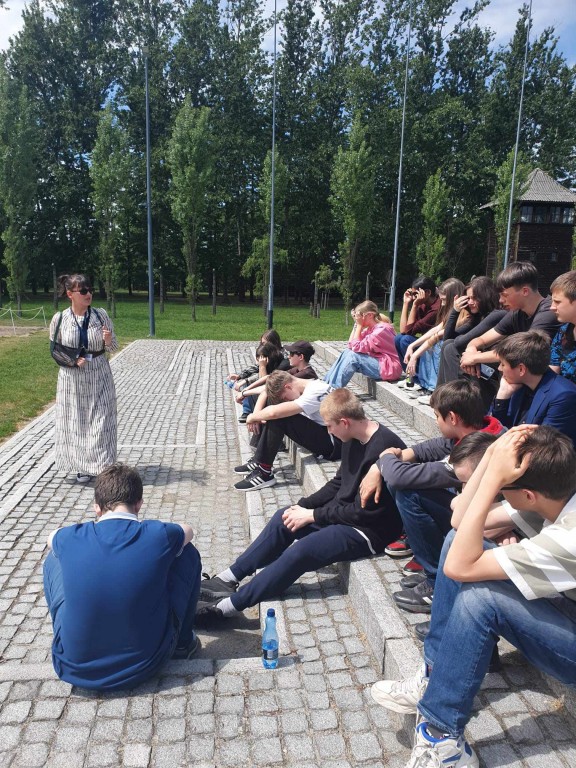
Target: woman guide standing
column 85, row 429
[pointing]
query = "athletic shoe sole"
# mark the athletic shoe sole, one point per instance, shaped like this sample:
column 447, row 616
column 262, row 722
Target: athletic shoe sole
column 399, row 553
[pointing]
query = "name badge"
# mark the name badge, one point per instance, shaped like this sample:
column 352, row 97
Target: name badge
column 88, row 356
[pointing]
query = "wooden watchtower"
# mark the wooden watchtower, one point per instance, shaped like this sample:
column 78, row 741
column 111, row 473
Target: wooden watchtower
column 543, row 232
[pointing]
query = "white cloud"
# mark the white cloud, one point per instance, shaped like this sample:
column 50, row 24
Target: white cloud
column 10, row 21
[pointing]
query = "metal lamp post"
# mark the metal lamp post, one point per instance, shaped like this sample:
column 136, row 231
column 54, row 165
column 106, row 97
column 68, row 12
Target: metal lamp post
column 149, row 200
column 272, row 181
column 399, row 192
column 513, row 180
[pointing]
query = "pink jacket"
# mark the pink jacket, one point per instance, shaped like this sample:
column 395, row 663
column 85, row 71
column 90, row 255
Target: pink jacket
column 378, row 342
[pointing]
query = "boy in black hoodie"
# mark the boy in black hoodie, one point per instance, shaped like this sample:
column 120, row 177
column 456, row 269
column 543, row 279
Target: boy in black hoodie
column 327, row 527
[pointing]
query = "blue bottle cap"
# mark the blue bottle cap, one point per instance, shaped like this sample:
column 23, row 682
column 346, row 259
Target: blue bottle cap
column 271, row 612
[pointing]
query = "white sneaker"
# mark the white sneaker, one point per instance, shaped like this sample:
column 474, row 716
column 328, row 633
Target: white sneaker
column 424, row 400
column 429, row 752
column 401, row 695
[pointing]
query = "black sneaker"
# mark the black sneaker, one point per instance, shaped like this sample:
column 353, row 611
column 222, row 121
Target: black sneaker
column 215, row 588
column 186, row 652
column 242, row 418
column 421, row 630
column 256, row 480
column 417, row 599
column 245, row 469
column 408, row 582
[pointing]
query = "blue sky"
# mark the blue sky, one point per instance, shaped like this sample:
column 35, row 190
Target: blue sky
column 501, row 16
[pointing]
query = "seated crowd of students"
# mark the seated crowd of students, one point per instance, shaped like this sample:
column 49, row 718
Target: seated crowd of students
column 493, row 360
column 486, row 511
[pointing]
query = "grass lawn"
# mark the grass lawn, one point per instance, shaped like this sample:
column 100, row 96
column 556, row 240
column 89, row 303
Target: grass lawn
column 28, row 374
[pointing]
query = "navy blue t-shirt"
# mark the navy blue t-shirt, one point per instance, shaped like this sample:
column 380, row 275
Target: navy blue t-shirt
column 116, row 622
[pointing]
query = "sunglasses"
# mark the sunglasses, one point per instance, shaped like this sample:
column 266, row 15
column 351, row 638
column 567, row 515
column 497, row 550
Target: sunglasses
column 516, row 488
column 83, row 291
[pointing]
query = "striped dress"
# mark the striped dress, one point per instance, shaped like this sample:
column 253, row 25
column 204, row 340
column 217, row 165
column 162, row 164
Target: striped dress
column 85, row 428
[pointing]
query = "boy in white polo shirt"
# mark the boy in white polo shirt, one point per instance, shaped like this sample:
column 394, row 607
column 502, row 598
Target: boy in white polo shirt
column 289, row 406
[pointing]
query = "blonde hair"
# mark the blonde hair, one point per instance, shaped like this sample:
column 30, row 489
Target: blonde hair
column 369, row 306
column 275, row 384
column 342, row 404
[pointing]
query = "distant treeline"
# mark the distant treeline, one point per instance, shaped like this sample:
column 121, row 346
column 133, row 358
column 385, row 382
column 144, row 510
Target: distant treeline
column 72, row 141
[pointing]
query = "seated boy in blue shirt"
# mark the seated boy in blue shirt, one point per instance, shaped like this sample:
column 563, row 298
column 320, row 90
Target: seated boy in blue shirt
column 121, row 592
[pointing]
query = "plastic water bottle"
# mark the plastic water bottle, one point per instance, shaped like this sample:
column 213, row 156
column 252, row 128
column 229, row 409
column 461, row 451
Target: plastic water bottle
column 270, row 641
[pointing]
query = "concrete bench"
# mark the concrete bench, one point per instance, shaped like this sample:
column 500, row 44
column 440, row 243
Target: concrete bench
column 370, row 583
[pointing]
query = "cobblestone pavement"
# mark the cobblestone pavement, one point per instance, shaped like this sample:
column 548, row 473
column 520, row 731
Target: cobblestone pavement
column 177, row 425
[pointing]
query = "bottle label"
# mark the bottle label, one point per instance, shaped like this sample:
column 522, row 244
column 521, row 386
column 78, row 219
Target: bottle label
column 270, row 654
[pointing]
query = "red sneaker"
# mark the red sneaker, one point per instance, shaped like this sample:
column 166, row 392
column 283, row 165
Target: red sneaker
column 399, row 548
column 411, row 568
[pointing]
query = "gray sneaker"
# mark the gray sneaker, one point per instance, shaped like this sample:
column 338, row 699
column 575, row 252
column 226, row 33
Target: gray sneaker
column 401, row 695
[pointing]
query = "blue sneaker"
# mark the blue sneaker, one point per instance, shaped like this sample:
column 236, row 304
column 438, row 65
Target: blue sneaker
column 448, row 752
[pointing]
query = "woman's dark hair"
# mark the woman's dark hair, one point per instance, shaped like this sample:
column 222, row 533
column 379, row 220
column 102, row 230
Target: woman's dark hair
column 72, row 283
column 273, row 337
column 485, row 293
column 273, row 353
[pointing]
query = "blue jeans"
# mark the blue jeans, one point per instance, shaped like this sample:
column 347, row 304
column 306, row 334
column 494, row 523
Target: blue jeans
column 350, row 363
column 183, row 589
column 543, row 630
column 284, row 556
column 428, row 366
column 426, row 517
column 402, row 341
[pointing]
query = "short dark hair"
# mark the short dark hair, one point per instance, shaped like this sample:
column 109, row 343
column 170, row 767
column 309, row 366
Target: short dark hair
column 426, row 283
column 341, row 403
column 462, row 397
column 117, row 484
column 567, row 284
column 516, row 275
column 529, row 347
column 471, row 448
column 552, row 465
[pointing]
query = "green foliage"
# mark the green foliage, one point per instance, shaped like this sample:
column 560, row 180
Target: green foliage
column 502, row 202
column 436, row 212
column 352, row 200
column 336, row 59
column 18, row 153
column 191, row 160
column 111, row 171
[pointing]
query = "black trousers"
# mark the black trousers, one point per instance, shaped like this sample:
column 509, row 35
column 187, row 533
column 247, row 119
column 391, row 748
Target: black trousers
column 307, row 433
column 450, row 371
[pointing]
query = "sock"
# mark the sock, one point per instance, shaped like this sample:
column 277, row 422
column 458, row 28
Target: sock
column 267, row 468
column 227, row 608
column 227, row 576
column 436, row 733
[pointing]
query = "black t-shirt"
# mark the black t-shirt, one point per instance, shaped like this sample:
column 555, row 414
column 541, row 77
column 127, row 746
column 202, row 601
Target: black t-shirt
column 542, row 320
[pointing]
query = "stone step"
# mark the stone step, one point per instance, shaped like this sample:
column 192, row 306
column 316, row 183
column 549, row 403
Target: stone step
column 370, row 584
